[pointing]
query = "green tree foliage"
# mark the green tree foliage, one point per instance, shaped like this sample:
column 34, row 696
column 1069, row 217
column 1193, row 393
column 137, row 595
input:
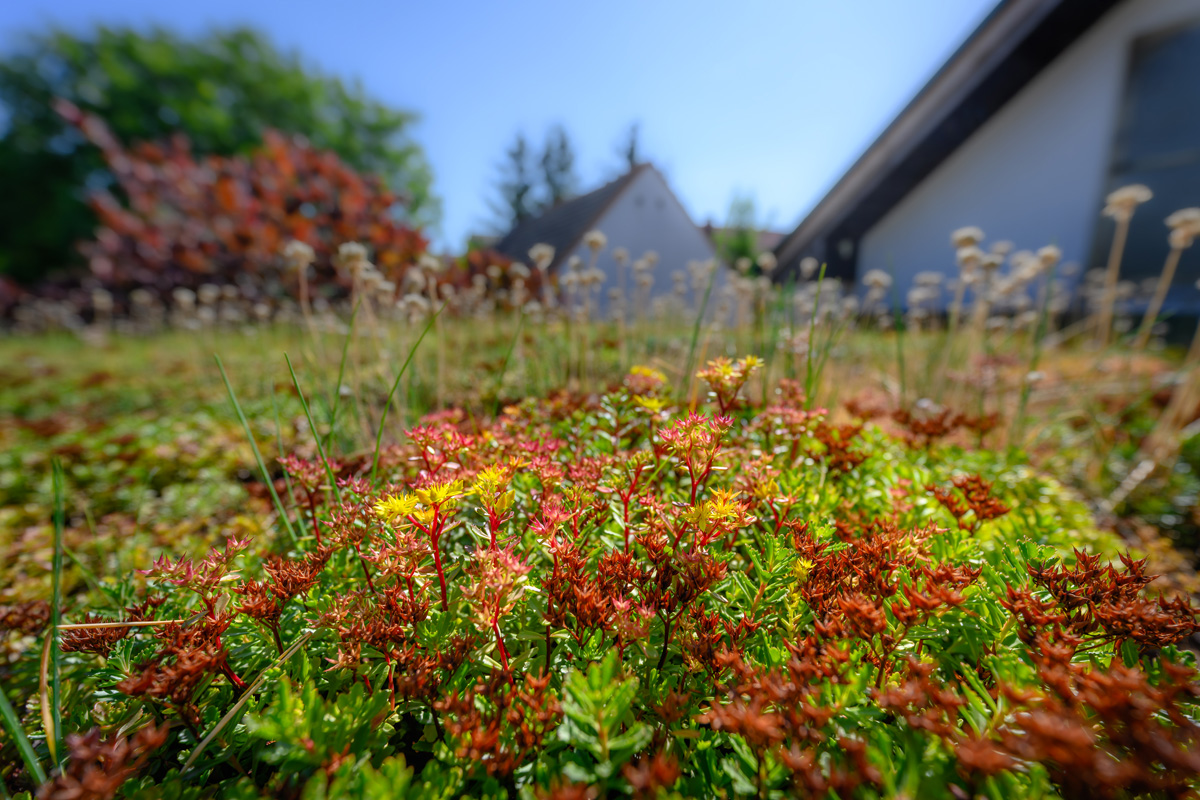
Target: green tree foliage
column 630, row 149
column 559, row 180
column 530, row 184
column 516, row 186
column 222, row 89
column 739, row 237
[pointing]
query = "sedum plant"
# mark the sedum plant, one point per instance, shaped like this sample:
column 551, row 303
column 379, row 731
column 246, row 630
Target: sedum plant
column 615, row 596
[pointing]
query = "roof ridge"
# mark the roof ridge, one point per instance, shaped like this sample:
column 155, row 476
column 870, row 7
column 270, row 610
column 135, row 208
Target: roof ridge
column 564, row 225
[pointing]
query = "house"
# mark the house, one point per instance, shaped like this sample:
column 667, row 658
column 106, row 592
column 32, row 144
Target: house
column 1047, row 107
column 637, row 212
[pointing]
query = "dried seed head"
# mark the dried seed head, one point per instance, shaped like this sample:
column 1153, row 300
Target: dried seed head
column 1185, row 227
column 877, row 279
column 966, row 237
column 595, row 241
column 298, row 255
column 1122, row 202
column 1049, row 256
column 541, row 255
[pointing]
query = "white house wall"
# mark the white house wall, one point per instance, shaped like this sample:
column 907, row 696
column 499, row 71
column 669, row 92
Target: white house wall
column 1034, row 174
column 647, row 216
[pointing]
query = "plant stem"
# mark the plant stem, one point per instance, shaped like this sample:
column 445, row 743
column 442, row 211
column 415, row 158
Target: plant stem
column 1160, row 294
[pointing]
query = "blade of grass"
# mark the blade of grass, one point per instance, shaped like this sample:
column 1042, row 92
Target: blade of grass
column 287, row 479
column 504, row 365
column 312, row 426
column 812, row 334
column 237, row 407
column 769, row 352
column 412, row 351
column 20, row 739
column 1035, row 356
column 337, row 389
column 246, row 695
column 689, row 366
column 898, row 326
column 827, row 348
column 51, row 655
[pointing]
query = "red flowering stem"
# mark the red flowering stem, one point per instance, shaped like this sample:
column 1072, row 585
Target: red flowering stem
column 434, row 532
column 500, row 644
column 626, row 496
column 493, row 526
column 437, row 562
column 237, row 682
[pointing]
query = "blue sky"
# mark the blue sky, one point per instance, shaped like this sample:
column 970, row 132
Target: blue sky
column 769, row 99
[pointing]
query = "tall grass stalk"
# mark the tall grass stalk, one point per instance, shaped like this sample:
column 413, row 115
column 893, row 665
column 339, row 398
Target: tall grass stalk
column 689, row 367
column 898, row 325
column 287, row 479
column 52, row 715
column 504, row 364
column 312, row 426
column 1160, row 294
column 262, row 466
column 12, row 724
column 237, row 707
column 337, row 389
column 768, row 354
column 412, row 351
column 1035, row 357
column 834, row 331
column 1103, row 321
column 812, row 337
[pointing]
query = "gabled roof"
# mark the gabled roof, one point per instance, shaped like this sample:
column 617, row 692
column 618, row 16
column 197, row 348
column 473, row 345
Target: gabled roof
column 563, row 226
column 1016, row 41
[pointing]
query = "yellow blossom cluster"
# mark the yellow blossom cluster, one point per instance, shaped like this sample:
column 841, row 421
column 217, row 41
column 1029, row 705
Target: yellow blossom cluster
column 420, row 506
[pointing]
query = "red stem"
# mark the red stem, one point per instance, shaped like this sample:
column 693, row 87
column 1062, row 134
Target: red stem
column 437, row 562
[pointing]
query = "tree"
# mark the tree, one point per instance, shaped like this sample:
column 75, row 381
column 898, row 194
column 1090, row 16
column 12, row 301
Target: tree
column 630, row 153
column 739, row 238
column 559, row 180
column 223, row 90
column 517, row 201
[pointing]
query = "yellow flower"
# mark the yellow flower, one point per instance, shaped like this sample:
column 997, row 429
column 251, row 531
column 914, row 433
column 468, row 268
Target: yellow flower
column 491, row 480
column 651, row 404
column 440, row 494
column 750, row 363
column 396, row 507
column 647, row 372
column 801, row 570
column 766, row 490
column 724, row 505
column 490, row 486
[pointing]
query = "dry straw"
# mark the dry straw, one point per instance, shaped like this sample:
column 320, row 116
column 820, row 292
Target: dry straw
column 1184, row 227
column 1120, row 207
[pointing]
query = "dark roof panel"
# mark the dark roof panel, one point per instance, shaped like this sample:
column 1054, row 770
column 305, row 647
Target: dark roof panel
column 1009, row 49
column 563, row 226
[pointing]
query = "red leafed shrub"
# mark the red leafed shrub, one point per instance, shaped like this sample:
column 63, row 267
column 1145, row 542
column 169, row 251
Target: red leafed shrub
column 175, row 220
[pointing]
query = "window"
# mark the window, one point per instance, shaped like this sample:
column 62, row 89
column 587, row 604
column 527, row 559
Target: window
column 1157, row 143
